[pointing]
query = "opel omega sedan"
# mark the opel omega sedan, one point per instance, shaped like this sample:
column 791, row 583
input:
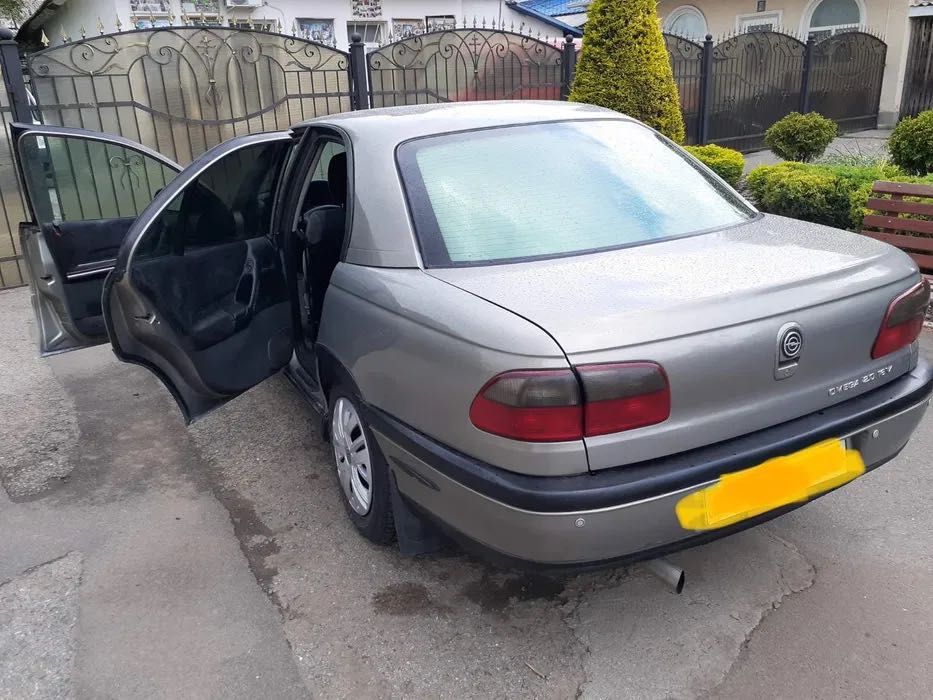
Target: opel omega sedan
column 541, row 328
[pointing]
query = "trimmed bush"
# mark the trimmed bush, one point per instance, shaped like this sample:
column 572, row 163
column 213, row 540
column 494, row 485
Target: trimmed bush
column 801, row 137
column 725, row 162
column 624, row 65
column 911, row 144
column 834, row 195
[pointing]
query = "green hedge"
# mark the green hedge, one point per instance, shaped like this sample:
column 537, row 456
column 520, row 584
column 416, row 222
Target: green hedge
column 725, row 162
column 911, row 143
column 834, row 195
column 801, row 137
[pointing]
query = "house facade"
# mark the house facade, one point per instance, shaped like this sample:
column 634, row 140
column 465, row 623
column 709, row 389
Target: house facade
column 328, row 21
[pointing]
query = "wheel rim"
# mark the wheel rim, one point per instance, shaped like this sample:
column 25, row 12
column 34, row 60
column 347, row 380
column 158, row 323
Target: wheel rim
column 351, row 452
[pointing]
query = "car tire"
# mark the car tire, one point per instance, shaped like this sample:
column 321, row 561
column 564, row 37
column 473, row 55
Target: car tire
column 361, row 470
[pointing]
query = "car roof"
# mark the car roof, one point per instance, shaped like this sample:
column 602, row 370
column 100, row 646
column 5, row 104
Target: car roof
column 389, row 126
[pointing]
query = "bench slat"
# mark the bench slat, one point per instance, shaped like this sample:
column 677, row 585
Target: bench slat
column 901, row 207
column 914, row 242
column 898, row 224
column 905, row 188
column 924, row 262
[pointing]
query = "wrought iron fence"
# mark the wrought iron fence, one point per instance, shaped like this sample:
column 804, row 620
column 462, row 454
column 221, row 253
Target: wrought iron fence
column 918, row 80
column 732, row 91
column 182, row 90
column 687, row 64
column 845, row 82
column 468, row 64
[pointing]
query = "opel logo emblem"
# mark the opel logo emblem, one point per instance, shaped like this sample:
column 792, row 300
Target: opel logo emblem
column 791, row 344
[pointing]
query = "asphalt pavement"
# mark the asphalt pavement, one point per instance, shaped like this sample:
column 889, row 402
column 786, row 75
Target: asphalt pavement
column 143, row 558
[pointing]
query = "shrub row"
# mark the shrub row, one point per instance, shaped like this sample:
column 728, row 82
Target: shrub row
column 725, row 162
column 834, row 195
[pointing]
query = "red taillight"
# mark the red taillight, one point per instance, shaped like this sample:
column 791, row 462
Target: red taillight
column 548, row 405
column 530, row 405
column 903, row 320
column 624, row 396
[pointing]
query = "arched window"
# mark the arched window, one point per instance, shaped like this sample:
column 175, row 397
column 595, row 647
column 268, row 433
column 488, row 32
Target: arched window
column 830, row 16
column 687, row 21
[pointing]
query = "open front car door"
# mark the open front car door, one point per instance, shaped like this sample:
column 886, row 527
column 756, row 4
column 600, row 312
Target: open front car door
column 198, row 292
column 84, row 190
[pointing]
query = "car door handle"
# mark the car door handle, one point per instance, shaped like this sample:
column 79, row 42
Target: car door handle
column 148, row 317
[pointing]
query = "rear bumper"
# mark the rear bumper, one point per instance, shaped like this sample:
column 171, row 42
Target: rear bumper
column 628, row 512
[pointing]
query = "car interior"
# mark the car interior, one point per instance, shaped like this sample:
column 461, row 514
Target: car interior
column 321, row 230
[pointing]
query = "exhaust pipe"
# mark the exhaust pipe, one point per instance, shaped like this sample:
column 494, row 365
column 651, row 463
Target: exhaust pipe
column 671, row 574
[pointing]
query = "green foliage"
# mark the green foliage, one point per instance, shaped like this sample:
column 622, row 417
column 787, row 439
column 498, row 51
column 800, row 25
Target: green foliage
column 624, row 65
column 14, row 9
column 801, row 137
column 834, row 195
column 725, row 162
column 911, row 144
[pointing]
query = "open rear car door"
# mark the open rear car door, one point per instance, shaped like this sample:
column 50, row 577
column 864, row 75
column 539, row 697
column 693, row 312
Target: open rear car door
column 84, row 190
column 198, row 292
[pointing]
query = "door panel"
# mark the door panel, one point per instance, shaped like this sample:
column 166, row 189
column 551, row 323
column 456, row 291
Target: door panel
column 84, row 190
column 198, row 292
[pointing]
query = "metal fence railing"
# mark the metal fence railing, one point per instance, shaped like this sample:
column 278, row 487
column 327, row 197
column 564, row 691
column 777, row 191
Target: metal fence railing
column 181, row 90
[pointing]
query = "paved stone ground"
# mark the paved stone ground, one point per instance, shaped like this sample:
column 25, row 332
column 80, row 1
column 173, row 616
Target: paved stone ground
column 216, row 561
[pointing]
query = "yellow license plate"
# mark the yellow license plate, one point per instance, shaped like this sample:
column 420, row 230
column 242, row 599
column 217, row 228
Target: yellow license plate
column 772, row 484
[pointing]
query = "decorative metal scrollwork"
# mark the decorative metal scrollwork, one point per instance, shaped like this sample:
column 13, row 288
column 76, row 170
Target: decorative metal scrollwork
column 465, row 64
column 181, row 90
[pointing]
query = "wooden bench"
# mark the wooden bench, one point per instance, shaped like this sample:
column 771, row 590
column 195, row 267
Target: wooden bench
column 913, row 235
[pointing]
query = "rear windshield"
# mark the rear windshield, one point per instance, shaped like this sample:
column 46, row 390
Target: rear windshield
column 555, row 189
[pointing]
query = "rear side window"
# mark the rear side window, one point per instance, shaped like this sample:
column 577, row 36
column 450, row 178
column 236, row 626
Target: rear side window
column 557, row 189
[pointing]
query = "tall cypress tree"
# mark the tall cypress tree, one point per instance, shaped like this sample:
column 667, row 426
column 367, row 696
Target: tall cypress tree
column 624, row 65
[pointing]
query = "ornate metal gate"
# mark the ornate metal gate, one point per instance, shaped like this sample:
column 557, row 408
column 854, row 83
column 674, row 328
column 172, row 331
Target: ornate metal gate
column 846, row 71
column 757, row 79
column 687, row 64
column 182, row 90
column 918, row 80
column 469, row 64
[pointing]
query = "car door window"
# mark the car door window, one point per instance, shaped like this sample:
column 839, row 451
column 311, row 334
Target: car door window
column 78, row 179
column 85, row 189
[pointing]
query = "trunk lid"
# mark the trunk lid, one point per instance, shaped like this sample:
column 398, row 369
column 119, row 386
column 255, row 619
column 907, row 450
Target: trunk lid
column 710, row 309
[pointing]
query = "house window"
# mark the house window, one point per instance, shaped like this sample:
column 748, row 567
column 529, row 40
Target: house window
column 404, row 28
column 686, row 21
column 151, row 22
column 210, row 9
column 367, row 8
column 758, row 22
column 828, row 17
column 319, row 30
column 373, row 33
column 150, row 7
column 437, row 23
column 262, row 25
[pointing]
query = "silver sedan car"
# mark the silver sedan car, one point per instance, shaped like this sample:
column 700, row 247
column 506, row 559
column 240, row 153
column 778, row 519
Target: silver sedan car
column 538, row 327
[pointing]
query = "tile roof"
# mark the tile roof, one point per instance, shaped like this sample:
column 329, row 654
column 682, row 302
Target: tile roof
column 553, row 8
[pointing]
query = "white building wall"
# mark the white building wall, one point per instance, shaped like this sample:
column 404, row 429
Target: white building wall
column 284, row 15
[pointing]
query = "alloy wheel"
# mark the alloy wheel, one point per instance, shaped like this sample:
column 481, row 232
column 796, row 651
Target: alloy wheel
column 351, row 452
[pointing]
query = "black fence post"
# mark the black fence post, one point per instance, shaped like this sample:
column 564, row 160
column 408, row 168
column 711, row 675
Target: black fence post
column 13, row 80
column 568, row 66
column 805, row 79
column 359, row 93
column 706, row 91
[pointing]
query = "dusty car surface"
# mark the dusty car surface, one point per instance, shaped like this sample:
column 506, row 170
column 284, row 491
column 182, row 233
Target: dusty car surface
column 539, row 326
